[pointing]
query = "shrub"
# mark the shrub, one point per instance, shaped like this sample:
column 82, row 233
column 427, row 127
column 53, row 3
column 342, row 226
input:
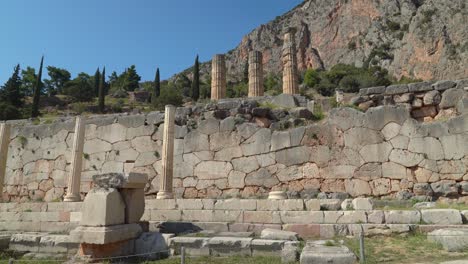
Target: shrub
column 8, row 111
column 79, row 107
column 273, row 84
column 170, row 95
column 237, row 90
column 311, row 78
column 393, row 26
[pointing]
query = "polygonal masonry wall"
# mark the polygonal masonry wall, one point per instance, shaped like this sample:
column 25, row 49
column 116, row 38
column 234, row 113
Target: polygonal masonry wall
column 383, row 152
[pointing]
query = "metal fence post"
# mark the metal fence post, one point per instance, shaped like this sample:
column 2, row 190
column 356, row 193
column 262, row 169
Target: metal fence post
column 182, row 255
column 362, row 256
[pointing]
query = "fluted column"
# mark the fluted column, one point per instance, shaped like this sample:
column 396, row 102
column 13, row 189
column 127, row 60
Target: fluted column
column 218, row 77
column 165, row 190
column 74, row 178
column 4, row 142
column 289, row 60
column 255, row 74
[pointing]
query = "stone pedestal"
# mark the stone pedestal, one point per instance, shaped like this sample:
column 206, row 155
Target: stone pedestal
column 165, row 191
column 111, row 214
column 255, row 74
column 4, row 142
column 277, row 195
column 218, row 77
column 289, row 60
column 74, row 180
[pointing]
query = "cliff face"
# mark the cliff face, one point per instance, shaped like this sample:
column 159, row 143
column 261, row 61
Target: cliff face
column 425, row 39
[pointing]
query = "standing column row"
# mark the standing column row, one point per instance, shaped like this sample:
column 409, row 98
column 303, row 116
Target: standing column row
column 4, row 142
column 289, row 60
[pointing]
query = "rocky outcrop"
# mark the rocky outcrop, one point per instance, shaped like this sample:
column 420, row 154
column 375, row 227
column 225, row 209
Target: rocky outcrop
column 419, row 39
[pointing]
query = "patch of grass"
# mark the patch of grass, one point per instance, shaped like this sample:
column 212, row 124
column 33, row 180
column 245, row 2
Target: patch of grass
column 318, row 113
column 269, row 105
column 221, row 260
column 86, row 156
column 413, row 248
column 330, row 243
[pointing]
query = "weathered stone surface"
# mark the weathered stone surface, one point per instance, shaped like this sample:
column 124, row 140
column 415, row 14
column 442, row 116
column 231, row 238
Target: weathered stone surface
column 317, row 252
column 432, row 98
column 106, row 234
column 285, row 100
column 376, row 152
column 420, row 87
column 450, row 98
column 444, row 85
column 266, row 247
column 441, row 216
column 362, row 204
column 451, row 239
column 194, row 246
column 290, row 252
column 152, row 243
column 402, row 217
column 261, row 177
column 211, row 170
column 445, row 188
column 378, row 117
column 393, row 170
column 280, row 140
column 225, row 246
column 358, row 137
column 274, row 234
column 293, row 156
column 396, row 89
column 25, row 242
column 103, row 208
column 405, row 158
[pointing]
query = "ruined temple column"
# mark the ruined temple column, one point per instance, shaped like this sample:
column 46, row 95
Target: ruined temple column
column 255, row 74
column 218, row 77
column 165, row 189
column 74, row 178
column 290, row 77
column 4, row 141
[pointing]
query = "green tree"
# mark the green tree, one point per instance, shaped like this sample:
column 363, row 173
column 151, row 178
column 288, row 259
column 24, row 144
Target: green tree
column 196, row 80
column 97, row 82
column 11, row 91
column 58, row 78
column 272, row 84
column 28, row 77
column 102, row 88
column 132, row 79
column 37, row 91
column 156, row 88
column 80, row 88
column 8, row 111
column 311, row 78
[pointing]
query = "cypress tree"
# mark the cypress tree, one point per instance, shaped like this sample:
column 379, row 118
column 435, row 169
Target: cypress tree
column 37, row 91
column 102, row 87
column 97, row 81
column 196, row 80
column 156, row 88
column 11, row 92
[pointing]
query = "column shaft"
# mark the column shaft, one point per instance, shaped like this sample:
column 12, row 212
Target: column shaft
column 218, row 77
column 290, row 77
column 74, row 178
column 255, row 74
column 165, row 190
column 4, row 142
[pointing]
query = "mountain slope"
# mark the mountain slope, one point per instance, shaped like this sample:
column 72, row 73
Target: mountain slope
column 425, row 39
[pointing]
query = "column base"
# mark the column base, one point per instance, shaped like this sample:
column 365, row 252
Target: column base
column 164, row 195
column 72, row 198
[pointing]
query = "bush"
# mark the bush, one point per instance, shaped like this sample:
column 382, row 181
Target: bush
column 9, row 112
column 237, row 90
column 311, row 78
column 170, row 95
column 273, row 84
column 79, row 107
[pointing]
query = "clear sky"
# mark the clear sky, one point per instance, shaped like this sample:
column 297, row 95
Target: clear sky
column 82, row 35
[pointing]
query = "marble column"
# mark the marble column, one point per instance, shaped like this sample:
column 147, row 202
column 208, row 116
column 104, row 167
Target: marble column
column 74, row 178
column 255, row 74
column 218, row 77
column 4, row 142
column 289, row 60
column 165, row 189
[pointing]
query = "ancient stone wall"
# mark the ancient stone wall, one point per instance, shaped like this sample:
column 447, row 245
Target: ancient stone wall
column 427, row 101
column 222, row 151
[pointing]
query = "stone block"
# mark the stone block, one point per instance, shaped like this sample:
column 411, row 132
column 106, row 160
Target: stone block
column 344, row 217
column 251, row 227
column 420, row 87
column 402, row 217
column 396, row 89
column 363, row 204
column 26, row 242
column 264, row 247
column 317, row 252
column 119, row 180
column 285, row 101
column 266, row 217
column 134, row 200
column 103, row 208
column 376, row 217
column 442, row 216
column 451, row 97
column 228, row 246
column 330, row 204
column 444, row 85
column 274, row 234
column 267, row 205
column 236, row 204
column 450, row 239
column 291, row 205
column 304, row 230
column 190, row 204
column 290, row 252
column 57, row 244
column 312, row 205
column 115, row 249
column 156, row 204
column 106, row 234
column 301, row 217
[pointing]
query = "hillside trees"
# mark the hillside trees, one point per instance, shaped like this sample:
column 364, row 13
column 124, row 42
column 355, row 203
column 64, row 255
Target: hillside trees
column 58, row 78
column 11, row 97
column 81, row 88
column 37, row 91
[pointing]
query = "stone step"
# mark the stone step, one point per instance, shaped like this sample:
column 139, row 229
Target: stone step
column 326, row 252
column 42, row 243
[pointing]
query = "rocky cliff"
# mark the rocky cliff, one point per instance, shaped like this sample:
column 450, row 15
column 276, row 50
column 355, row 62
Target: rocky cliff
column 425, row 39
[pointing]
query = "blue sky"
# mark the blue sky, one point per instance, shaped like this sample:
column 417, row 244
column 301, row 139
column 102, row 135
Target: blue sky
column 85, row 34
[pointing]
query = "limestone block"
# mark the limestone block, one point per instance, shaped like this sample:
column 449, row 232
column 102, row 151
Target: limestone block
column 245, row 164
column 420, row 87
column 400, row 142
column 451, row 97
column 402, row 217
column 344, row 217
column 317, row 252
column 444, row 85
column 190, row 204
column 134, row 200
column 363, row 204
column 301, row 217
column 397, row 89
column 258, row 143
column 212, row 170
column 105, row 234
column 312, row 205
column 442, row 216
column 96, row 146
column 458, row 124
column 103, row 208
column 357, row 137
column 376, row 152
column 196, row 141
column 157, row 204
column 285, row 101
column 454, row 146
column 432, row 98
column 330, row 204
column 208, row 126
column 376, row 217
column 369, row 171
column 405, row 157
column 274, row 234
column 235, row 204
column 261, row 177
column 280, row 140
column 226, row 246
column 163, row 215
column 429, row 146
column 112, row 133
column 378, row 117
column 27, row 242
column 291, row 205
column 262, row 217
column 221, row 140
column 194, row 246
column 227, row 124
column 391, row 130
column 266, row 247
column 227, row 154
column 393, row 170
column 451, row 239
column 445, row 188
column 56, row 244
